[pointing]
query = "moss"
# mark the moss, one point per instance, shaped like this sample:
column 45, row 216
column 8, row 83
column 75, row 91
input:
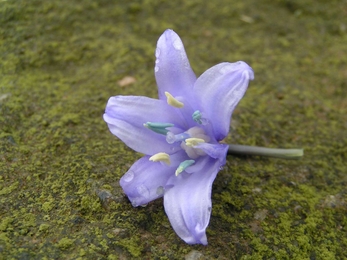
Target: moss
column 5, row 223
column 47, row 206
column 112, row 257
column 132, row 246
column 59, row 165
column 9, row 189
column 44, row 227
column 65, row 243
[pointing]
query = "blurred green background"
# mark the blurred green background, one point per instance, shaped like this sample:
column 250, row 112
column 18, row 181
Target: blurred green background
column 60, row 166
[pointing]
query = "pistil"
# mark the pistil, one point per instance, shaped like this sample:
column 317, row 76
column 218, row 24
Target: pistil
column 198, row 118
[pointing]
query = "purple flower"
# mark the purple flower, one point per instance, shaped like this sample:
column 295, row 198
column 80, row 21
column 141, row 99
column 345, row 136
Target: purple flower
column 179, row 134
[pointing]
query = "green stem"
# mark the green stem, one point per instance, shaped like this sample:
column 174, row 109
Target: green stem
column 268, row 152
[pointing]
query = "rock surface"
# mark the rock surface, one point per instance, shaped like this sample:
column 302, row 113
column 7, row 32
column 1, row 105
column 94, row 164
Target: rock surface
column 60, row 166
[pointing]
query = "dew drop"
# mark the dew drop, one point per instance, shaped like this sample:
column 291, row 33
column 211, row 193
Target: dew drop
column 157, row 52
column 156, row 68
column 156, row 61
column 143, row 191
column 170, row 137
column 160, row 190
column 134, row 203
column 228, row 68
column 248, row 74
column 178, row 45
column 221, row 168
column 128, row 176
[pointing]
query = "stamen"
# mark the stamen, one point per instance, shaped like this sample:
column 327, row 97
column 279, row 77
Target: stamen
column 194, row 141
column 184, row 165
column 161, row 157
column 172, row 138
column 159, row 128
column 198, row 117
column 173, row 101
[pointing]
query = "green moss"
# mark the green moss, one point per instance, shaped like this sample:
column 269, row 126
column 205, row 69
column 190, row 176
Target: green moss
column 48, row 205
column 132, row 246
column 112, row 257
column 9, row 189
column 5, row 223
column 65, row 243
column 44, row 227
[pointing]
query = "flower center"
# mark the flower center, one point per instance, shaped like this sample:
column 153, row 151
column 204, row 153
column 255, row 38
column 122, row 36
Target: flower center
column 189, row 140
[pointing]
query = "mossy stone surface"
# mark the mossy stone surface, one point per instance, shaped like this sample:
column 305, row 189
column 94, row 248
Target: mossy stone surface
column 60, row 61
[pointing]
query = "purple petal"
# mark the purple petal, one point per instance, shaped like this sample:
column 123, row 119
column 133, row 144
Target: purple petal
column 146, row 180
column 216, row 151
column 188, row 203
column 219, row 90
column 125, row 116
column 172, row 69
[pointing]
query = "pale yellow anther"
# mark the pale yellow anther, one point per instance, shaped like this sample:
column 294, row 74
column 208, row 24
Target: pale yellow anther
column 194, row 141
column 161, row 157
column 173, row 101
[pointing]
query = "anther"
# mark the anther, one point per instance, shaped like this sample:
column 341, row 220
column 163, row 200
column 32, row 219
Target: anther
column 173, row 101
column 194, row 141
column 160, row 157
column 184, row 165
column 159, row 128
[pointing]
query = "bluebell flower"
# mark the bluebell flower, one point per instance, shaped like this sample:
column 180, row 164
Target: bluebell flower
column 179, row 133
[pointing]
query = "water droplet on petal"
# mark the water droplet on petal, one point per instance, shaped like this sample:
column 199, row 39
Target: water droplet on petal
column 221, row 168
column 178, row 45
column 160, row 190
column 156, row 61
column 156, row 68
column 134, row 202
column 248, row 74
column 170, row 137
column 128, row 176
column 143, row 191
column 229, row 68
column 157, row 52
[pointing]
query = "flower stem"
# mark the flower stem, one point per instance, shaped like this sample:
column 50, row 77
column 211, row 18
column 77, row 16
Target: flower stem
column 268, row 152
